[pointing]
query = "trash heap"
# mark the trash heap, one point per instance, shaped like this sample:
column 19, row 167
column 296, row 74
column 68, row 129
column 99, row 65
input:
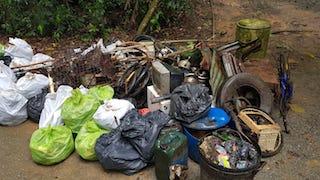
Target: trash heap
column 132, row 104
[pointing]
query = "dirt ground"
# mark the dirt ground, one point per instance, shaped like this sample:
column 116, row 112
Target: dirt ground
column 299, row 158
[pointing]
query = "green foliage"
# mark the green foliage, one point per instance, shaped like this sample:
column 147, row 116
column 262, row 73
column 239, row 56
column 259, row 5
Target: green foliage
column 169, row 11
column 89, row 18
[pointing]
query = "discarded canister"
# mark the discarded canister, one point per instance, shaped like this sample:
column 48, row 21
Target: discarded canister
column 170, row 149
column 249, row 30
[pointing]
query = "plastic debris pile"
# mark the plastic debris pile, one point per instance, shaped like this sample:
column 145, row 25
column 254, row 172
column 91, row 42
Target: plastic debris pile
column 229, row 151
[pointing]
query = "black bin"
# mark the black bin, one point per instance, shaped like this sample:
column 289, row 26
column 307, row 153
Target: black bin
column 210, row 171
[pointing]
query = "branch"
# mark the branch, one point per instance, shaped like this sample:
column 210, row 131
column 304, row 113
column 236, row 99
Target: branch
column 144, row 23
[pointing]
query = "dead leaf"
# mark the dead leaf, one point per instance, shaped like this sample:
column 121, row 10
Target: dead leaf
column 297, row 108
column 292, row 154
column 49, row 49
column 310, row 55
column 309, row 138
column 314, row 163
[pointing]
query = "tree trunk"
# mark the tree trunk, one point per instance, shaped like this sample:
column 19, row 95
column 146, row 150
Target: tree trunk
column 144, row 23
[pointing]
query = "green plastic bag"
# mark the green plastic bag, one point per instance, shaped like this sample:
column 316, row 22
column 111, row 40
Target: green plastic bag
column 78, row 109
column 102, row 92
column 86, row 140
column 2, row 48
column 51, row 145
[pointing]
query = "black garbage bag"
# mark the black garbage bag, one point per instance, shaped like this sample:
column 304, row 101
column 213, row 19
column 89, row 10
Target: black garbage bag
column 129, row 148
column 35, row 105
column 6, row 60
column 190, row 102
column 116, row 153
column 142, row 131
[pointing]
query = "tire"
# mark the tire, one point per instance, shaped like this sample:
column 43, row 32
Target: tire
column 245, row 84
column 142, row 37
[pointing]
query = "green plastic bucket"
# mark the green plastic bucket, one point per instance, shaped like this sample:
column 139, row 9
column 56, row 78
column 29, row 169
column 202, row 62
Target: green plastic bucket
column 249, row 30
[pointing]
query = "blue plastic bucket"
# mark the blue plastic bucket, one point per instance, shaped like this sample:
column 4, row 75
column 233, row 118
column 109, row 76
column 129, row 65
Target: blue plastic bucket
column 218, row 118
column 193, row 150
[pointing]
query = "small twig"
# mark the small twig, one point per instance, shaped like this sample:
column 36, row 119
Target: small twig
column 138, row 58
column 127, row 4
column 293, row 31
column 29, row 65
column 134, row 15
column 177, row 53
column 213, row 19
column 129, row 47
column 184, row 41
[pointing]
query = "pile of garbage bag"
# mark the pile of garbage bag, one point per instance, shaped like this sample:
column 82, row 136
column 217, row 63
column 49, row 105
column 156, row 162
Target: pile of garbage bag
column 198, row 91
column 22, row 53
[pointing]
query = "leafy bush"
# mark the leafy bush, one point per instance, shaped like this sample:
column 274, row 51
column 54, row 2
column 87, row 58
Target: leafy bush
column 86, row 17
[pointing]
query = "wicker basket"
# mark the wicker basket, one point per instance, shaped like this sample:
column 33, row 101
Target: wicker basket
column 268, row 134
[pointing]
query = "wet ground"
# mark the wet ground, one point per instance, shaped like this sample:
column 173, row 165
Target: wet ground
column 299, row 158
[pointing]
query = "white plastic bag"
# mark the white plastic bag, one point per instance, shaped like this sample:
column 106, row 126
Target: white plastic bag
column 104, row 49
column 51, row 113
column 16, row 62
column 83, row 90
column 7, row 78
column 6, row 84
column 39, row 57
column 32, row 84
column 5, row 71
column 19, row 48
column 20, row 51
column 109, row 114
column 13, row 108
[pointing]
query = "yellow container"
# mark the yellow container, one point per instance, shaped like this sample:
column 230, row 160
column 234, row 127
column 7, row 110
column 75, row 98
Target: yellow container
column 249, row 30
